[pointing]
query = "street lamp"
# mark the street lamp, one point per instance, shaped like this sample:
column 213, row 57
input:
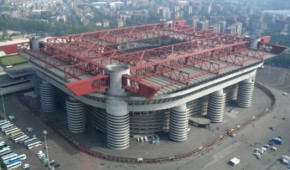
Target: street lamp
column 3, row 104
column 46, row 148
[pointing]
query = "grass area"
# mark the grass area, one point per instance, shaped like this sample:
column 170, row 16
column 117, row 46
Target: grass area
column 12, row 60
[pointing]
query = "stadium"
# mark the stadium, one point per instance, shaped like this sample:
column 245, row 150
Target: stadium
column 145, row 79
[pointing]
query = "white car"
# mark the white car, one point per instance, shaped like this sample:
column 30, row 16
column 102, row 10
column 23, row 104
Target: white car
column 273, row 148
column 26, row 166
column 234, row 161
column 11, row 118
column 29, row 129
column 259, row 150
column 40, row 154
column 285, row 161
column 258, row 155
column 264, row 149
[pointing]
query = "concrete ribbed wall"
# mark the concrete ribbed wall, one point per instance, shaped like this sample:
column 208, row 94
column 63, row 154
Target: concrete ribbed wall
column 216, row 106
column 76, row 116
column 245, row 93
column 47, row 97
column 178, row 123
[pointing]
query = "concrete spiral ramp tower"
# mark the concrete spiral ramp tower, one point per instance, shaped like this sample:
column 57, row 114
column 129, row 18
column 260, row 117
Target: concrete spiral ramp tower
column 178, row 123
column 76, row 115
column 117, row 120
column 245, row 93
column 47, row 97
column 216, row 106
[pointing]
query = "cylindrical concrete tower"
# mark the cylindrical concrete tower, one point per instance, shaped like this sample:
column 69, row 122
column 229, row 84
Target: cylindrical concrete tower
column 118, row 126
column 245, row 93
column 178, row 123
column 216, row 106
column 76, row 115
column 36, row 83
column 47, row 97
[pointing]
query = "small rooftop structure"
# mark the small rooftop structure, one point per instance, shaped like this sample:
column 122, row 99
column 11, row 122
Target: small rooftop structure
column 199, row 121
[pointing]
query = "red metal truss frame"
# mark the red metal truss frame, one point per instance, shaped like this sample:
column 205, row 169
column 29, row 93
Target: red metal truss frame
column 200, row 59
column 89, row 54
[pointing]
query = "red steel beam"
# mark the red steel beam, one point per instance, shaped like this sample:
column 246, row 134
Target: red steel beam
column 104, row 33
column 89, row 53
column 147, row 64
column 52, row 63
column 143, row 33
column 149, row 55
column 140, row 87
column 177, row 76
column 189, row 55
column 89, row 46
column 80, row 86
column 70, row 58
column 89, row 85
column 197, row 59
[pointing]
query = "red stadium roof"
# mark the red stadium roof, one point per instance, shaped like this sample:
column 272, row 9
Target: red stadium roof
column 82, row 58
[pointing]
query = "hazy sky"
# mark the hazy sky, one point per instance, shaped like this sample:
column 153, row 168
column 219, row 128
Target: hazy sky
column 270, row 4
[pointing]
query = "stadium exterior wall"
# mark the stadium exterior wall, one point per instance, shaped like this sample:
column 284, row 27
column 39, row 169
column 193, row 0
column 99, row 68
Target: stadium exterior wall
column 165, row 101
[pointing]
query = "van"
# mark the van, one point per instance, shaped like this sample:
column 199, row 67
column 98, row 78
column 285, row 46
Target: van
column 234, row 161
column 11, row 118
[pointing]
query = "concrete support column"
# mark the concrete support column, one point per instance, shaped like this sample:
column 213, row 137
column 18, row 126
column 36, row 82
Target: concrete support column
column 216, row 106
column 36, row 83
column 47, row 97
column 76, row 115
column 245, row 93
column 178, row 123
column 118, row 124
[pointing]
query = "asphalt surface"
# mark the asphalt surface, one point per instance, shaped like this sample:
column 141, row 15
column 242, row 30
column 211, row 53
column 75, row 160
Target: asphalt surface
column 240, row 146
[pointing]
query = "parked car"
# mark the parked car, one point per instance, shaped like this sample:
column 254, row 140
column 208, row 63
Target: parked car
column 11, row 118
column 258, row 155
column 26, row 166
column 266, row 146
column 263, row 149
column 285, row 159
column 273, row 148
column 234, row 161
column 277, row 140
column 53, row 163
